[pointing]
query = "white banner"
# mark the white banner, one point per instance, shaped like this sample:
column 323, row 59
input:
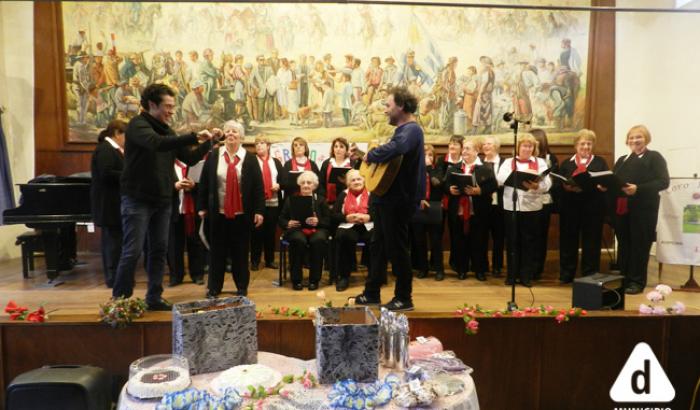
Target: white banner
column 678, row 229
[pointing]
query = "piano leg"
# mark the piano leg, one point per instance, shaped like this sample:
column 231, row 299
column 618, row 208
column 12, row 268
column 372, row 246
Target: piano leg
column 51, row 252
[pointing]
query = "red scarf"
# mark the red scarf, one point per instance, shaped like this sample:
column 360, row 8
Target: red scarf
column 531, row 164
column 295, row 166
column 581, row 165
column 350, row 205
column 621, row 208
column 232, row 200
column 187, row 202
column 427, row 186
column 464, row 201
column 267, row 176
column 445, row 198
column 331, row 193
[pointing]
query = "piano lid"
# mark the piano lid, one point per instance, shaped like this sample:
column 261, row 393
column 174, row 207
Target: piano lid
column 51, row 199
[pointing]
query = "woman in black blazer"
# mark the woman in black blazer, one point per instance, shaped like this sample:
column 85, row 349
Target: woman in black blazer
column 353, row 216
column 548, row 202
column 645, row 174
column 468, row 211
column 581, row 212
column 495, row 225
column 264, row 237
column 299, row 162
column 105, row 201
column 310, row 235
column 453, row 158
column 340, row 158
column 231, row 197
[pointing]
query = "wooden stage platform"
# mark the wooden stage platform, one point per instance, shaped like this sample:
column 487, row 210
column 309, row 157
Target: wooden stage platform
column 529, row 363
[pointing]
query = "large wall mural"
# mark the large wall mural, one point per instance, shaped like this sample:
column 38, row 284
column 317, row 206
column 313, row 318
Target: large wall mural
column 323, row 70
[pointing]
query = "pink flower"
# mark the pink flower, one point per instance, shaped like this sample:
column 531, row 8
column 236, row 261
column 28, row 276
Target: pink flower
column 284, row 393
column 678, row 308
column 473, row 325
column 664, row 289
column 260, row 404
column 548, row 308
column 560, row 317
column 655, row 296
column 518, row 313
column 584, row 312
column 307, row 383
column 658, row 310
column 498, row 314
column 645, row 309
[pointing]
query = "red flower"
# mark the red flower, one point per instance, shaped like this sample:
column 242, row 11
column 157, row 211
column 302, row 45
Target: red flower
column 12, row 307
column 36, row 316
column 572, row 311
column 498, row 314
column 584, row 312
column 560, row 318
column 518, row 313
column 473, row 325
column 17, row 316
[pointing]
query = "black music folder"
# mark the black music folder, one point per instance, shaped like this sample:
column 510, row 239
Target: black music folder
column 301, row 207
column 337, row 173
column 461, row 181
column 523, row 176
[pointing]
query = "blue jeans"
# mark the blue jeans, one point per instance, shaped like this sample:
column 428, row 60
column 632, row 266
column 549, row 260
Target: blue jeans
column 139, row 219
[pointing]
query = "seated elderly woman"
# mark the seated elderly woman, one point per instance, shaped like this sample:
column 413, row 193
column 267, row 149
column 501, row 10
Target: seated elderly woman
column 309, row 235
column 353, row 215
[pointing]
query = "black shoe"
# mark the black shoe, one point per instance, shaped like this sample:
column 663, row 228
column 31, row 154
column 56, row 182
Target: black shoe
column 255, row 266
column 161, row 305
column 634, row 289
column 272, row 265
column 461, row 275
column 298, row 286
column 440, row 275
column 565, row 281
column 174, row 282
column 397, row 305
column 211, row 295
column 109, row 284
column 242, row 292
column 480, row 276
column 341, row 285
column 313, row 285
column 422, row 275
column 526, row 283
column 198, row 280
column 363, row 299
column 509, row 282
column 497, row 273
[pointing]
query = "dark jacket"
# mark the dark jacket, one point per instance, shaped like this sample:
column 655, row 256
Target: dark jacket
column 151, row 149
column 573, row 202
column 252, row 192
column 288, row 181
column 106, row 169
column 337, row 215
column 485, row 179
column 650, row 174
column 409, row 185
column 323, row 213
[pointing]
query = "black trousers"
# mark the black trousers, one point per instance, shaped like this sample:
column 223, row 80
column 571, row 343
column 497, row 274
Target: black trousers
column 178, row 243
column 635, row 233
column 229, row 238
column 264, row 237
column 423, row 234
column 315, row 245
column 522, row 245
column 472, row 246
column 496, row 229
column 345, row 246
column 579, row 225
column 390, row 241
column 111, row 247
column 542, row 238
column 460, row 257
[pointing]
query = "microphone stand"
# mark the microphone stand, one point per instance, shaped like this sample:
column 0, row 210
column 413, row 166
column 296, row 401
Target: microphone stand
column 514, row 251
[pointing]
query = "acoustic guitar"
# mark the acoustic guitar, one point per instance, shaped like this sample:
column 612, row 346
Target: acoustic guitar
column 380, row 176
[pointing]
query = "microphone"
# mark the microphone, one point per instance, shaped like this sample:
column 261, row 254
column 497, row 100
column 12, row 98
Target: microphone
column 510, row 116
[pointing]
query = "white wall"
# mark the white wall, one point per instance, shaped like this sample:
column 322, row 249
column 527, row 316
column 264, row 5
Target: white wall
column 657, row 82
column 17, row 96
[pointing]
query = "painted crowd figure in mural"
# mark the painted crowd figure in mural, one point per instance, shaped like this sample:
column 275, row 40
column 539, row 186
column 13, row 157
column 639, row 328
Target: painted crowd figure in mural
column 267, row 66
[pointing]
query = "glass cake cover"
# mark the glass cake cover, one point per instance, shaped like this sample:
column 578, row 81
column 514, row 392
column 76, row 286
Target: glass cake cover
column 154, row 376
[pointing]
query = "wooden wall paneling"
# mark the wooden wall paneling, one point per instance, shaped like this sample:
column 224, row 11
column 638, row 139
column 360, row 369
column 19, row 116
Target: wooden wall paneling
column 682, row 362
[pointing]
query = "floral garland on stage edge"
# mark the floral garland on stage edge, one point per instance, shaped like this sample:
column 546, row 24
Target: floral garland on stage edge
column 120, row 312
column 470, row 314
column 296, row 311
column 659, row 295
column 19, row 313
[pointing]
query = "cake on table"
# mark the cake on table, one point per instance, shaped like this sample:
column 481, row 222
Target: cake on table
column 156, row 382
column 240, row 377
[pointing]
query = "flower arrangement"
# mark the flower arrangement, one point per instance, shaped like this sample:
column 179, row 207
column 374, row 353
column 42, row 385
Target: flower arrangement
column 20, row 313
column 656, row 297
column 470, row 314
column 259, row 394
column 296, row 311
column 120, row 312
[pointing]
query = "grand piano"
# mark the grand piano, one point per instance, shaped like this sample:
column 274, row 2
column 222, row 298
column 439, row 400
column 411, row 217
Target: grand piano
column 52, row 205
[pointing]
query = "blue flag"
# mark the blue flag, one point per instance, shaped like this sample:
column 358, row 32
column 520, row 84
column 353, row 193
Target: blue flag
column 7, row 194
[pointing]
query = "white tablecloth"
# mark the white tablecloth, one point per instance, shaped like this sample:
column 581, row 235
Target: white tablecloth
column 467, row 400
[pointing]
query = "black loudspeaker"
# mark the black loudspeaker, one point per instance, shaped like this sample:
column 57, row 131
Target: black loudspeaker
column 60, row 388
column 599, row 291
